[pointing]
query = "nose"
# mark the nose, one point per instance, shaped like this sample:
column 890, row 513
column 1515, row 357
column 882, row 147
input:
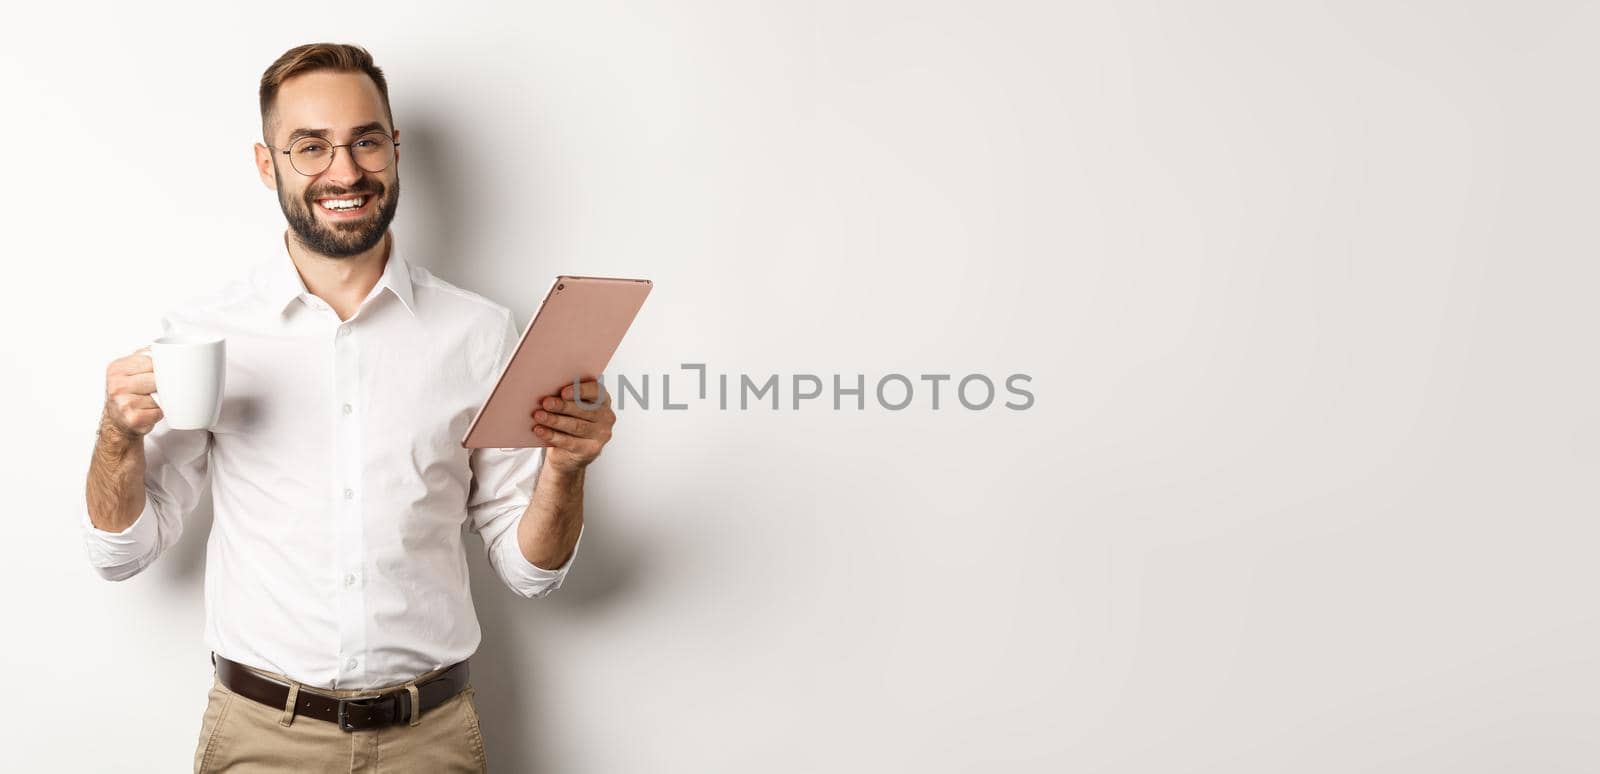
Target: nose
column 343, row 170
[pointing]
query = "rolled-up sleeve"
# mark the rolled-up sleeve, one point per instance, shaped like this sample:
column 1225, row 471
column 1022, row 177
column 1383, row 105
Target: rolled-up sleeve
column 502, row 486
column 177, row 463
column 503, row 481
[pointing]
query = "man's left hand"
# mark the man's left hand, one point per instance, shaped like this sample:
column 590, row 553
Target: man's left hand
column 576, row 434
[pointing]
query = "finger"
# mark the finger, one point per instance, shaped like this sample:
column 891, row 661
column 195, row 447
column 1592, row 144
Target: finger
column 592, row 392
column 573, row 409
column 582, row 447
column 139, row 402
column 133, row 364
column 142, row 383
column 569, row 425
column 141, row 418
column 130, row 384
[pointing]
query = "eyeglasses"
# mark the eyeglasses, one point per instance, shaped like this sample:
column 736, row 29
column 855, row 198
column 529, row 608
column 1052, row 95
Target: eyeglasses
column 311, row 156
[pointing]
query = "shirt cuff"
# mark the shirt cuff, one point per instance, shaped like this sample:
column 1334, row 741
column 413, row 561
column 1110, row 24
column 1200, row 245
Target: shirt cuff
column 530, row 579
column 125, row 549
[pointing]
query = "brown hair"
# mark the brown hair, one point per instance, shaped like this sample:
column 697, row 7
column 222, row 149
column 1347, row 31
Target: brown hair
column 340, row 57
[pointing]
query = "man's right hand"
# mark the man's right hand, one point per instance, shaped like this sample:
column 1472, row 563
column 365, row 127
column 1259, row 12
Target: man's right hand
column 129, row 381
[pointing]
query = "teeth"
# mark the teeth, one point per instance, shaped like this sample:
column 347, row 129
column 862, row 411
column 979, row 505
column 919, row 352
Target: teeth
column 343, row 204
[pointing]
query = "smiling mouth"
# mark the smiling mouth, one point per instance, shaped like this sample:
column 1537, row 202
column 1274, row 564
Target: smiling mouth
column 345, row 206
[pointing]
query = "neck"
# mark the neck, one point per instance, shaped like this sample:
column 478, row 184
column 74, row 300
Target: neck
column 342, row 282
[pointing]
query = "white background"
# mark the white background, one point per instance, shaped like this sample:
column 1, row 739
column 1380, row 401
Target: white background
column 1306, row 291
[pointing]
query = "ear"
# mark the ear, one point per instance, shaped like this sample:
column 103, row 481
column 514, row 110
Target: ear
column 264, row 167
column 397, row 148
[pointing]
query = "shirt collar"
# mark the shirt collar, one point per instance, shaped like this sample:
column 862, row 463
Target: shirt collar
column 280, row 283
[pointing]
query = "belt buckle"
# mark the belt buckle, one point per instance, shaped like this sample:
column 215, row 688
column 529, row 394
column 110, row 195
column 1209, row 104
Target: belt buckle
column 363, row 701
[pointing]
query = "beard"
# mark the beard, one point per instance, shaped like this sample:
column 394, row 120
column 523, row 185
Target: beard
column 340, row 239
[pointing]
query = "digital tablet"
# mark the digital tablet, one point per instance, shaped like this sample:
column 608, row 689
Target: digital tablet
column 573, row 335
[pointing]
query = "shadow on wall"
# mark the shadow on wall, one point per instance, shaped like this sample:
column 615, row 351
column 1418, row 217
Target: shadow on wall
column 510, row 667
column 431, row 203
column 507, row 669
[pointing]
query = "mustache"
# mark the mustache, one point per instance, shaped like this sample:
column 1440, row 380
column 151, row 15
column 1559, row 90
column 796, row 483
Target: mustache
column 374, row 189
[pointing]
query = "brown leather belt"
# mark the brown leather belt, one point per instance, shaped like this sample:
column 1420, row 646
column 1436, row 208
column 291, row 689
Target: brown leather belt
column 353, row 714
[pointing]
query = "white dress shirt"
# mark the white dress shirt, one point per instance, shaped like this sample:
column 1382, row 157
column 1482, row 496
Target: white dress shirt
column 339, row 483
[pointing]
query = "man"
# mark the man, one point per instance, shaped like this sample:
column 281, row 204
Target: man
column 338, row 610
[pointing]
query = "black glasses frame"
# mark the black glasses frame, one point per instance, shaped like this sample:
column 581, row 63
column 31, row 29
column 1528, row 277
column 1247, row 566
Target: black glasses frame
column 333, row 150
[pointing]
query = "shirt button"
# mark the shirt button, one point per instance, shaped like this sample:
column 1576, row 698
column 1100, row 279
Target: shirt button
column 347, row 408
column 349, row 580
column 349, row 494
column 350, row 665
column 343, row 331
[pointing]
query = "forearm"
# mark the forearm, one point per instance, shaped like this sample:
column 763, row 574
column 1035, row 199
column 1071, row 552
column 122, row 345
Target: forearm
column 115, row 489
column 548, row 532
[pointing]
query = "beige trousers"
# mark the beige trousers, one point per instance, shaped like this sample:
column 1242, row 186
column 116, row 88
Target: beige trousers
column 242, row 736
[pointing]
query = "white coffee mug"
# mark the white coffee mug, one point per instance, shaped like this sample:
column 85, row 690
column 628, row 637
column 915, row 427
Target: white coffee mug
column 189, row 372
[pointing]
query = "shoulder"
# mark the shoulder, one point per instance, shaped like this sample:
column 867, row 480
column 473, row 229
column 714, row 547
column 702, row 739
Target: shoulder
column 456, row 301
column 485, row 329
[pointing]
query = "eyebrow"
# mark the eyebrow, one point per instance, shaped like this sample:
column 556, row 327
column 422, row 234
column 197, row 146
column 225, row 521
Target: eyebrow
column 373, row 126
